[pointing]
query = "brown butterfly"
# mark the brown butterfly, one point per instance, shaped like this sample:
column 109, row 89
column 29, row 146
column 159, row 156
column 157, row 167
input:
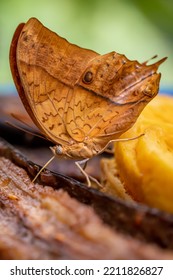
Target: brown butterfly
column 79, row 99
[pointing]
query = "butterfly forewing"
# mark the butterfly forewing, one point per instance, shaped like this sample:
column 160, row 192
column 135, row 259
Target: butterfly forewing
column 48, row 67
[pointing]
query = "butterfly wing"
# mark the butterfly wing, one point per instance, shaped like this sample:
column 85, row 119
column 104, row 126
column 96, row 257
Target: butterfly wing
column 47, row 68
column 109, row 96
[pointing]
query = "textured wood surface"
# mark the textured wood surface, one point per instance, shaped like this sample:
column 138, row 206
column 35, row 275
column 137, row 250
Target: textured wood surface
column 39, row 222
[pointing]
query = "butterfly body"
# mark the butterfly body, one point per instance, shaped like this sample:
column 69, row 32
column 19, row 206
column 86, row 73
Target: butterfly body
column 79, row 99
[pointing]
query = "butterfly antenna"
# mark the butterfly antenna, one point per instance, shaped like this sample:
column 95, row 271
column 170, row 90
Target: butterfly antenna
column 25, row 130
column 46, row 164
column 19, row 120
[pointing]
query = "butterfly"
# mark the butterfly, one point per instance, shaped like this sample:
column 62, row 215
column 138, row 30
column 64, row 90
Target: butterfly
column 80, row 100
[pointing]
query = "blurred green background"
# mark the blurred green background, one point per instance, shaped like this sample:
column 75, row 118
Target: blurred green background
column 137, row 28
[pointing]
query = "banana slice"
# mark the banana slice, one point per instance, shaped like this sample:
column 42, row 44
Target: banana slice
column 145, row 165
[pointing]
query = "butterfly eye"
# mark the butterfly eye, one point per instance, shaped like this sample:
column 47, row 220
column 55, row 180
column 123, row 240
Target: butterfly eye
column 58, row 150
column 88, row 77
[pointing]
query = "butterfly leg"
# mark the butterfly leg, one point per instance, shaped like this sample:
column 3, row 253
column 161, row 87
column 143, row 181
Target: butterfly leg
column 88, row 178
column 45, row 165
column 110, row 148
column 78, row 164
